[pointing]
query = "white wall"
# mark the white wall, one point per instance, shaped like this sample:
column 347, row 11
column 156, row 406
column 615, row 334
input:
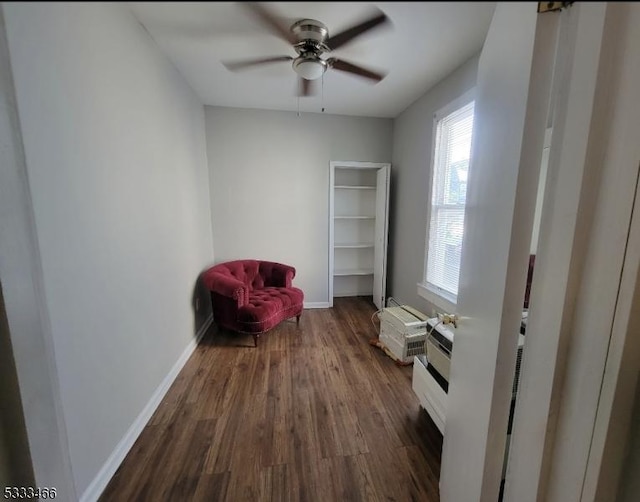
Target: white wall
column 116, row 162
column 270, row 184
column 412, row 144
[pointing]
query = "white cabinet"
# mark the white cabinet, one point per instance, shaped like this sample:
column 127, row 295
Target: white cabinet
column 358, row 228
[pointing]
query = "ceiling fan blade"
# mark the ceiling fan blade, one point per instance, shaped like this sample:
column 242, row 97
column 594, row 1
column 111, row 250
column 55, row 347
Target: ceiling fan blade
column 306, row 87
column 339, row 64
column 245, row 64
column 269, row 19
column 358, row 29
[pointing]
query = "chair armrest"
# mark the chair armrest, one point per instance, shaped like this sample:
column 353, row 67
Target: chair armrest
column 227, row 286
column 277, row 274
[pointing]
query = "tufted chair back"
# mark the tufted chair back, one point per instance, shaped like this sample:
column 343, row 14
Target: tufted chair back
column 246, row 271
column 254, row 274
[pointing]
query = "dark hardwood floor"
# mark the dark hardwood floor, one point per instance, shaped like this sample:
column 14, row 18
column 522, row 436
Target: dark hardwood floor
column 314, row 413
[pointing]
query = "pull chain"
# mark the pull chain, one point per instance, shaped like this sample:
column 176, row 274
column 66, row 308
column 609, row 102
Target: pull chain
column 298, row 104
column 322, row 94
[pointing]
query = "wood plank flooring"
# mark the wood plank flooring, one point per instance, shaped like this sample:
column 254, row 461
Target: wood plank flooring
column 314, row 413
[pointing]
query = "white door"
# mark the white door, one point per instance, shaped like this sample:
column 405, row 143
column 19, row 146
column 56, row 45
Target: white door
column 380, row 236
column 510, row 121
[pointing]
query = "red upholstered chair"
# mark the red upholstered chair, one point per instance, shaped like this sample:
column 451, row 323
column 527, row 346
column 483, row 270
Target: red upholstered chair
column 252, row 296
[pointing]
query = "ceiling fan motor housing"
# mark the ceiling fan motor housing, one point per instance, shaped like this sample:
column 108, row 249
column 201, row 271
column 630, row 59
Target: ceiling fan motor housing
column 310, row 29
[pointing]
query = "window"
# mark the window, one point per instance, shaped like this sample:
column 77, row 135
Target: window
column 452, row 151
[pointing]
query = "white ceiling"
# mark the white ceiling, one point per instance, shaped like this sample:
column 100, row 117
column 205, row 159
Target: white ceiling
column 424, row 42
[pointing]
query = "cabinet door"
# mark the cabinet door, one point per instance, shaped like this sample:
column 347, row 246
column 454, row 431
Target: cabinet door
column 380, row 242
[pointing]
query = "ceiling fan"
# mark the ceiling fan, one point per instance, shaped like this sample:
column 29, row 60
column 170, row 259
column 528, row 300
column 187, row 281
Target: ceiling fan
column 310, row 39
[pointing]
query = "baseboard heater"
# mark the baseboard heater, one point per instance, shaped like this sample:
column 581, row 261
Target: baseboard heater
column 431, row 371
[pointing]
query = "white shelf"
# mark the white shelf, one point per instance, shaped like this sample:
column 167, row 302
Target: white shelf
column 354, row 245
column 353, row 271
column 357, row 198
column 355, row 187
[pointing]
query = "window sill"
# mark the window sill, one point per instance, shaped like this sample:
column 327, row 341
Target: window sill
column 441, row 303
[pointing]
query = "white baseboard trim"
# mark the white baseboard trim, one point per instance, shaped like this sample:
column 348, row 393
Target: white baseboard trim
column 316, row 305
column 100, row 482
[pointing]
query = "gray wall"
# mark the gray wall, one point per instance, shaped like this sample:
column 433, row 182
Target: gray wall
column 270, row 184
column 116, row 162
column 411, row 171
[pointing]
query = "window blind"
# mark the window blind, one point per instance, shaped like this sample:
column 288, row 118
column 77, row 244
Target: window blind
column 449, row 193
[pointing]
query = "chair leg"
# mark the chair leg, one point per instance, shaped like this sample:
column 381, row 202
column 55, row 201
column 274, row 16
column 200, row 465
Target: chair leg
column 255, row 340
column 298, row 319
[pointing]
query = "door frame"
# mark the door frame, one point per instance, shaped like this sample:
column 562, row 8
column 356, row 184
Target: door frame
column 577, row 324
column 25, row 304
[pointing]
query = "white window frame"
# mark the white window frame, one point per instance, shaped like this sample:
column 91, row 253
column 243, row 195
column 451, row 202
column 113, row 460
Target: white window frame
column 441, row 299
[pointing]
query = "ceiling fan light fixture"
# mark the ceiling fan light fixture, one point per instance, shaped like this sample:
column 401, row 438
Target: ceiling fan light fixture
column 310, row 39
column 309, row 68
